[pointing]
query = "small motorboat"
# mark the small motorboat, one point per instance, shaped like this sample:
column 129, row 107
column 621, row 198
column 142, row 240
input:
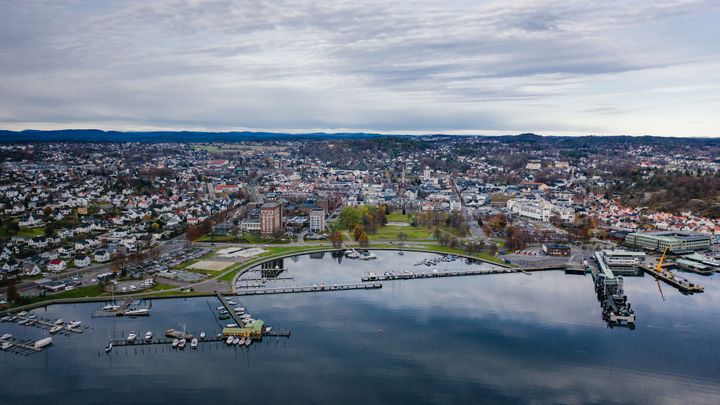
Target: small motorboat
column 6, row 345
column 6, row 336
column 111, row 307
column 202, row 335
column 181, row 343
column 245, row 316
column 59, row 322
column 220, row 308
column 6, row 318
column 148, row 336
column 108, row 347
column 175, row 343
column 268, row 328
column 248, row 342
column 236, row 341
column 131, row 337
column 74, row 324
column 231, row 325
column 242, row 342
column 231, row 302
column 194, row 343
column 229, row 340
column 239, row 309
column 55, row 329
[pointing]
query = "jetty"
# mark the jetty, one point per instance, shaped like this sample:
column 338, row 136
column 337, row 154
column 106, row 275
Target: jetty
column 609, row 288
column 307, row 289
column 408, row 275
column 21, row 347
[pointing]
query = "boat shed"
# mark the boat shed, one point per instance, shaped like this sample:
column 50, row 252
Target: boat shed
column 253, row 330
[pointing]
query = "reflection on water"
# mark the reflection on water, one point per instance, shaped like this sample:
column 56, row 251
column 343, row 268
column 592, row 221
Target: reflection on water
column 508, row 338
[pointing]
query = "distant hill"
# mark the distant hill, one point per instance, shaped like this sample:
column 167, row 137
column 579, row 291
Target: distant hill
column 96, row 135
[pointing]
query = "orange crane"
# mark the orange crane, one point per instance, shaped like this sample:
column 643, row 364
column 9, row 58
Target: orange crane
column 662, row 258
column 658, row 270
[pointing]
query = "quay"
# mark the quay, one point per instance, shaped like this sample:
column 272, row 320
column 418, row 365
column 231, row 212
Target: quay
column 609, row 288
column 674, row 280
column 307, row 289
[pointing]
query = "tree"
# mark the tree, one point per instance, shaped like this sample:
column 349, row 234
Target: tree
column 364, row 240
column 12, row 293
column 336, row 238
column 154, row 227
column 357, row 232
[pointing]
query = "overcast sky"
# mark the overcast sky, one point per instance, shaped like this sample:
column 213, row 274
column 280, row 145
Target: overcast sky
column 551, row 67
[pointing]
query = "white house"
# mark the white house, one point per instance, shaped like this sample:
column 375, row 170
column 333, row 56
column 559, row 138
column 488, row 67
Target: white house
column 82, row 261
column 102, row 256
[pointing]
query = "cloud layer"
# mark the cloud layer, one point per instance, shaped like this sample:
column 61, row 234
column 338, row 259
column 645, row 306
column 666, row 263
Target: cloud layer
column 417, row 66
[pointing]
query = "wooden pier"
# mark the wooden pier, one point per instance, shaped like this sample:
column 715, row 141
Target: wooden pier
column 21, row 347
column 230, row 309
column 47, row 324
column 139, row 341
column 435, row 274
column 307, row 289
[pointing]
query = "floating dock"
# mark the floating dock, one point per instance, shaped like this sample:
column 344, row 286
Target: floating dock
column 674, row 280
column 307, row 289
column 47, row 324
column 434, row 274
column 21, row 347
column 168, row 341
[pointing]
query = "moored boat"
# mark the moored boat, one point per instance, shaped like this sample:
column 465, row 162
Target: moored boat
column 194, row 343
column 56, row 329
column 229, row 340
column 181, row 343
column 148, row 335
column 175, row 343
column 108, row 347
column 236, row 340
column 131, row 337
column 202, row 335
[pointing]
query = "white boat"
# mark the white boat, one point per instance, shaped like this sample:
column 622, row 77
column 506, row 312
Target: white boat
column 239, row 309
column 194, row 343
column 231, row 302
column 74, row 324
column 242, row 342
column 202, row 335
column 111, row 307
column 181, row 343
column 131, row 337
column 231, row 325
column 23, row 313
column 6, row 318
column 6, row 345
column 108, row 347
column 175, row 343
column 148, row 335
column 245, row 316
column 236, row 341
column 248, row 342
column 137, row 312
column 367, row 256
column 5, row 336
column 268, row 328
column 59, row 322
column 229, row 340
column 352, row 254
column 220, row 308
column 43, row 342
column 55, row 329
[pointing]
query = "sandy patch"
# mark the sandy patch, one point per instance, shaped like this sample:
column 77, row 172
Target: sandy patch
column 212, row 265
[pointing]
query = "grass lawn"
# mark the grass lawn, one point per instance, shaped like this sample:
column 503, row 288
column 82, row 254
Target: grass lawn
column 411, row 233
column 398, row 217
column 217, row 238
column 31, row 232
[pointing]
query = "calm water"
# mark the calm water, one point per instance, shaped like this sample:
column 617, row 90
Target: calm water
column 508, row 338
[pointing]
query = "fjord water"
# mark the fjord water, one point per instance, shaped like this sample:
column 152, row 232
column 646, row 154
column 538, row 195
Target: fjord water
column 506, row 338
